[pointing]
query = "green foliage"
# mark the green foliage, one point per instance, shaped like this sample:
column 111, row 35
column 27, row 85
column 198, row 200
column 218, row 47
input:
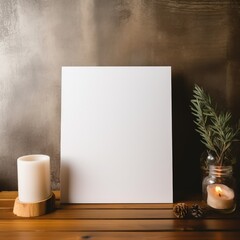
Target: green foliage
column 214, row 127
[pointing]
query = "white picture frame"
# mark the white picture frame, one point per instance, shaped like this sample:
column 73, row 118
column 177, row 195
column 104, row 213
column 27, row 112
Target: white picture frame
column 116, row 135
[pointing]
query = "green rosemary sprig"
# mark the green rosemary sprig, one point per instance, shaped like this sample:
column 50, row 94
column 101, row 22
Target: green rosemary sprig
column 214, row 128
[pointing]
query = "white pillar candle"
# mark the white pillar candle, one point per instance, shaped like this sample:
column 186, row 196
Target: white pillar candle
column 33, row 178
column 220, row 196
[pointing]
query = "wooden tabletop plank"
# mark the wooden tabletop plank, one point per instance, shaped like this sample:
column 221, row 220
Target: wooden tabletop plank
column 117, row 214
column 99, row 214
column 8, row 194
column 114, row 214
column 120, row 235
column 114, row 222
column 119, row 225
column 8, row 203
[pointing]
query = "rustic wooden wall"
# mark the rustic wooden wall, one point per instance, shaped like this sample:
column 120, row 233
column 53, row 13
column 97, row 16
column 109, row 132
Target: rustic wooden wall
column 199, row 39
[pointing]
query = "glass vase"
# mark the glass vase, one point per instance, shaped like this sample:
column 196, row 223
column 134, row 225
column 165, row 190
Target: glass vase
column 206, row 159
column 218, row 189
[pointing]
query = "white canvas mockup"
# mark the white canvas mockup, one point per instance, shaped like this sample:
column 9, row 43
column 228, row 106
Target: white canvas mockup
column 116, row 135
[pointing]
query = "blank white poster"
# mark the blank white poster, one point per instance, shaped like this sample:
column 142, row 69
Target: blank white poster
column 116, row 135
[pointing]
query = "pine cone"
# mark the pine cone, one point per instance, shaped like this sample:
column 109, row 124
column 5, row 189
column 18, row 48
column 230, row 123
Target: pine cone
column 180, row 210
column 197, row 211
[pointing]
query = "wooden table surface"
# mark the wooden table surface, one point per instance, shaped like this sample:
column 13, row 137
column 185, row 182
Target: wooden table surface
column 114, row 221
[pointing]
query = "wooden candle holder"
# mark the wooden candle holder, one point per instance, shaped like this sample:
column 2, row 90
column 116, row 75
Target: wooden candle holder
column 34, row 209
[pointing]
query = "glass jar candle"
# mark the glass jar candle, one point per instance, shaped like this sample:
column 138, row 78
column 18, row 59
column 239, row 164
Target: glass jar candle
column 219, row 189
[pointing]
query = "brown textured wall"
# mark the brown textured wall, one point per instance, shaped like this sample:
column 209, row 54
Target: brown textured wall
column 199, row 39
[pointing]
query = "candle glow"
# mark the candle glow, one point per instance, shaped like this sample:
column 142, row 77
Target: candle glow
column 220, row 196
column 218, row 190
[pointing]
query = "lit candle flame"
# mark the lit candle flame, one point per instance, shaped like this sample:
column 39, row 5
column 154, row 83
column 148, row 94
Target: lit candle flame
column 218, row 190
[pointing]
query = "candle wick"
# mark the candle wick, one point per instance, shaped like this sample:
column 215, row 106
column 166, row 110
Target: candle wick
column 219, row 194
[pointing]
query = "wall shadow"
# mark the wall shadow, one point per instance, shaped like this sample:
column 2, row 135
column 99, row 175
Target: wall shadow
column 65, row 182
column 186, row 144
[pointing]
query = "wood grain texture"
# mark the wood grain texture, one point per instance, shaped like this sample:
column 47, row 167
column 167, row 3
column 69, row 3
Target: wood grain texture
column 120, row 235
column 21, row 209
column 119, row 225
column 115, row 222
